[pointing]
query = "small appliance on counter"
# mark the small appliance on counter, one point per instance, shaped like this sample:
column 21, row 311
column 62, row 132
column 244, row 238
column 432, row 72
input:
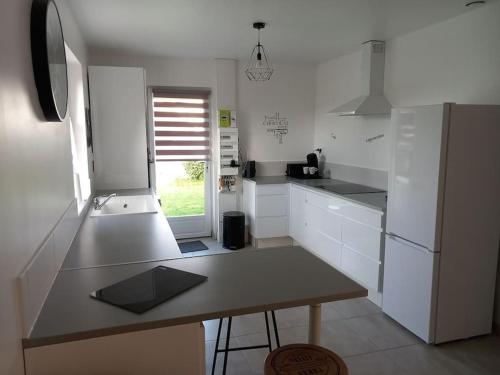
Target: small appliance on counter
column 249, row 170
column 312, row 162
column 309, row 170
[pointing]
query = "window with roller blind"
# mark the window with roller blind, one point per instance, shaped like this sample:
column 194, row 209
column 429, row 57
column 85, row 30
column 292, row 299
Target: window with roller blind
column 181, row 126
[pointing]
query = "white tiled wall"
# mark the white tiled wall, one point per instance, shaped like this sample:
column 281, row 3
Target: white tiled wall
column 36, row 279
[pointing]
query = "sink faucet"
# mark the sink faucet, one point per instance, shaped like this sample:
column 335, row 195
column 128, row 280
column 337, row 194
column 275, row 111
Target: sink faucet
column 98, row 205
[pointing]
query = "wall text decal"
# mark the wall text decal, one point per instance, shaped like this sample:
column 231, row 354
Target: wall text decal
column 276, row 125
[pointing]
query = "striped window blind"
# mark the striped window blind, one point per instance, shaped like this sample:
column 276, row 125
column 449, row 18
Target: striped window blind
column 181, row 125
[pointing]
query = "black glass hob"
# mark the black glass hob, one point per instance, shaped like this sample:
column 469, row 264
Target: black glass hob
column 146, row 290
column 348, row 188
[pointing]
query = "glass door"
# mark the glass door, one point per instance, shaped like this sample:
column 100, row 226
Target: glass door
column 180, row 171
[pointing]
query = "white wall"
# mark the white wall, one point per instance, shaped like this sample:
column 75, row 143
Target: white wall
column 162, row 71
column 289, row 92
column 35, row 167
column 456, row 61
column 343, row 139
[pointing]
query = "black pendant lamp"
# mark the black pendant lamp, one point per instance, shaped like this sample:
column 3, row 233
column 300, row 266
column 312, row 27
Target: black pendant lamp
column 259, row 68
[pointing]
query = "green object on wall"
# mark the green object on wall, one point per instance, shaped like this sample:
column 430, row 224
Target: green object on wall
column 224, row 118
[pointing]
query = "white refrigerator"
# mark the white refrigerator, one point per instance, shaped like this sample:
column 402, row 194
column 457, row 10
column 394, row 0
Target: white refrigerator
column 443, row 220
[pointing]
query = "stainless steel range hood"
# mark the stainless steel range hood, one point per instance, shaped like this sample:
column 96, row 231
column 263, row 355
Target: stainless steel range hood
column 373, row 100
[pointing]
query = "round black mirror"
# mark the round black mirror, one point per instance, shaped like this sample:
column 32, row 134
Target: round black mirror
column 49, row 59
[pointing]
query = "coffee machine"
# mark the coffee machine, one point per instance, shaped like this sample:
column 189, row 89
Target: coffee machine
column 297, row 169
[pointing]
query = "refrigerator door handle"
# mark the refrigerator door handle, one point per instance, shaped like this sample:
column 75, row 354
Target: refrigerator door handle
column 402, row 240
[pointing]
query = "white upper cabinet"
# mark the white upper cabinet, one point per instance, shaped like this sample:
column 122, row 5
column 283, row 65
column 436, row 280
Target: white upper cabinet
column 118, row 105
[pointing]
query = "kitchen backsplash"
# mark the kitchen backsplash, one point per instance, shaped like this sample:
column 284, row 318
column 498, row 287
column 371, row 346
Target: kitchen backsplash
column 272, row 168
column 359, row 175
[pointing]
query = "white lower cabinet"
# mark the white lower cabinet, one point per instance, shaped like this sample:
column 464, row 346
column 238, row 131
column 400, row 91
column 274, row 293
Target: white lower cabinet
column 363, row 238
column 297, row 214
column 269, row 227
column 360, row 267
column 272, row 205
column 327, row 249
column 345, row 235
column 267, row 209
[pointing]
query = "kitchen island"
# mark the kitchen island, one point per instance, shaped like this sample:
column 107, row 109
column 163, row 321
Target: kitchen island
column 238, row 283
column 79, row 335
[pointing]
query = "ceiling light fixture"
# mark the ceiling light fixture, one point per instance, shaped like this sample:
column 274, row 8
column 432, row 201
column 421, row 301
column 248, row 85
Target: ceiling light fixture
column 259, row 68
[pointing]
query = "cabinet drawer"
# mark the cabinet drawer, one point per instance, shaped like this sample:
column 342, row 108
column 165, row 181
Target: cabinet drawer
column 272, row 205
column 274, row 189
column 360, row 267
column 229, row 137
column 225, row 147
column 268, row 227
column 363, row 215
column 321, row 218
column 327, row 249
column 316, row 200
column 331, row 224
column 228, row 155
column 325, row 202
column 362, row 238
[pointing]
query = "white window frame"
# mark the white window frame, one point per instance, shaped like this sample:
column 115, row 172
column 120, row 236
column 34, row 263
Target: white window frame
column 78, row 131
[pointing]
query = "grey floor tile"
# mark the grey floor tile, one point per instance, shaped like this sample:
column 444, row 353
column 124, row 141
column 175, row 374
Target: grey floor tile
column 249, row 324
column 255, row 357
column 293, row 335
column 294, row 317
column 356, row 307
column 481, row 352
column 339, row 337
column 377, row 363
column 211, row 327
column 241, row 325
column 382, row 331
column 299, row 316
column 329, row 312
column 429, row 359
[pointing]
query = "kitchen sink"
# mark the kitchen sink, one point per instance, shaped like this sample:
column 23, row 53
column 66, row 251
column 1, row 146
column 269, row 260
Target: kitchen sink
column 126, row 205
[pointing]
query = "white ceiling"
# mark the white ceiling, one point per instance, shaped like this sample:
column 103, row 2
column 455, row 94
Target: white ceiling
column 298, row 30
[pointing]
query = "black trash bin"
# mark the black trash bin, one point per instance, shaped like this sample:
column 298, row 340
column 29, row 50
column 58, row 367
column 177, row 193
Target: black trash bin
column 233, row 229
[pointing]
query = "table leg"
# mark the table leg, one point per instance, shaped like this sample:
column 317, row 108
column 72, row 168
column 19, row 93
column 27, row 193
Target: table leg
column 315, row 324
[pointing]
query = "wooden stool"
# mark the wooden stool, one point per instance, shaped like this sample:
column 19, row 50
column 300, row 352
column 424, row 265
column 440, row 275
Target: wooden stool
column 299, row 359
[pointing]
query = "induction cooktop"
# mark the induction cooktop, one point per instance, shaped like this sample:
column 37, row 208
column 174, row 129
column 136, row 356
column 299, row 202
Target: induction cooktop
column 348, row 188
column 146, row 290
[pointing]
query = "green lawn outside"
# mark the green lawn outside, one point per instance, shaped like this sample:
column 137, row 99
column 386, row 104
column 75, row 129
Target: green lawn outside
column 183, row 197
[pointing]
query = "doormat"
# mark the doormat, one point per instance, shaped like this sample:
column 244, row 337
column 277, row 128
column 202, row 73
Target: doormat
column 191, row 246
